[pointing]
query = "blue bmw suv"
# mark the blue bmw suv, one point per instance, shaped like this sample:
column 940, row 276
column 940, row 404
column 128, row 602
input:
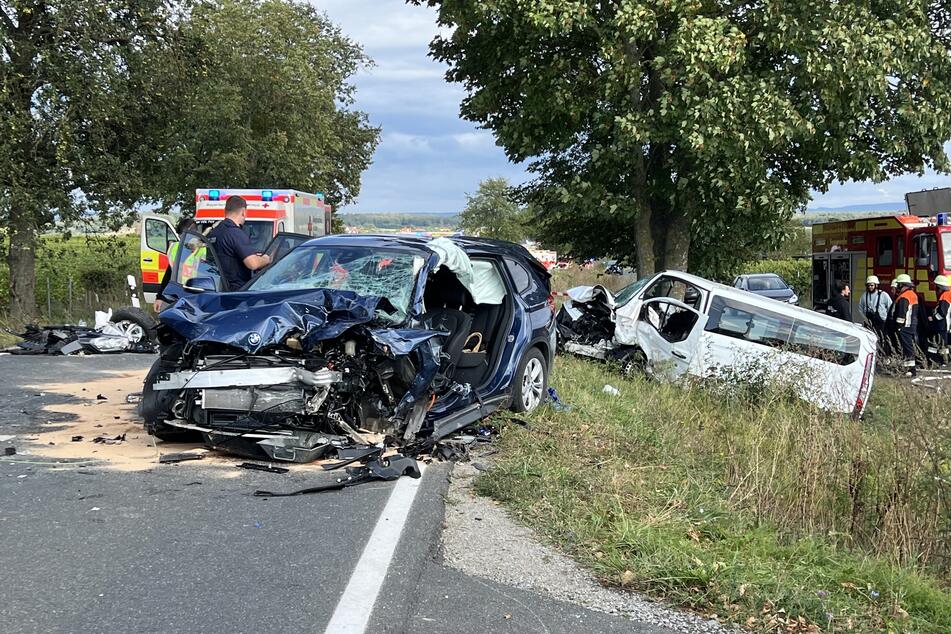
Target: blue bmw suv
column 349, row 339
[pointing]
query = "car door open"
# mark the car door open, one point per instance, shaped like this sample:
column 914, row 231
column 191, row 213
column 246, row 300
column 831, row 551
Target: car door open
column 195, row 269
column 668, row 331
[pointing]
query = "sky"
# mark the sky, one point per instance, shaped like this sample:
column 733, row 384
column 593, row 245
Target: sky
column 429, row 158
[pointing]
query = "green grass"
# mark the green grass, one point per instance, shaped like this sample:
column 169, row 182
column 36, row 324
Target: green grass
column 773, row 515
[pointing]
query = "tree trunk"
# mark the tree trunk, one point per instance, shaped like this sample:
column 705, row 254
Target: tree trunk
column 644, row 241
column 21, row 260
column 677, row 243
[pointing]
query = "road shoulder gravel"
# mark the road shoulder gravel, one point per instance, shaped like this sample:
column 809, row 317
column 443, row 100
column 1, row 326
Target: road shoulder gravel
column 480, row 539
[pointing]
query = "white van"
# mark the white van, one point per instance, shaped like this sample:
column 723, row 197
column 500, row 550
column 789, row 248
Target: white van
column 675, row 324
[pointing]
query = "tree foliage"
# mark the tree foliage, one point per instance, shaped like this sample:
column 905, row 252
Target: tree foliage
column 689, row 131
column 67, row 86
column 493, row 213
column 263, row 100
column 107, row 104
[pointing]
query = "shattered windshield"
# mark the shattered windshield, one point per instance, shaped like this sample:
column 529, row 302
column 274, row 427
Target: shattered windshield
column 366, row 271
column 624, row 295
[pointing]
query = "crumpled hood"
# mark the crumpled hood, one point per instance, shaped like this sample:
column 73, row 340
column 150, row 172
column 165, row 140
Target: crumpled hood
column 253, row 321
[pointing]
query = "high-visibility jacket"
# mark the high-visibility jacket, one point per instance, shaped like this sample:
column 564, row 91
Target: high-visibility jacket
column 942, row 310
column 906, row 310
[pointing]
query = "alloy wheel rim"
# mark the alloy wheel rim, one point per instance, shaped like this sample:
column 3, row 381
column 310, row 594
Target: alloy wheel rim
column 533, row 379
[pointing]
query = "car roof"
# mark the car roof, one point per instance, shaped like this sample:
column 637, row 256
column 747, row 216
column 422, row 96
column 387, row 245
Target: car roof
column 470, row 244
column 772, row 305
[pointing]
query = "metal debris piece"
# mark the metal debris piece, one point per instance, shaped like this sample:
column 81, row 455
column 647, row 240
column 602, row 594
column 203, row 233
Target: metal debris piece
column 255, row 466
column 133, row 397
column 10, row 451
column 179, row 457
column 353, row 456
column 77, row 438
column 388, row 468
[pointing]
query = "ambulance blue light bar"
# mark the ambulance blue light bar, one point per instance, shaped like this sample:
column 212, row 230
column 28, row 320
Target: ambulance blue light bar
column 214, row 194
column 267, row 195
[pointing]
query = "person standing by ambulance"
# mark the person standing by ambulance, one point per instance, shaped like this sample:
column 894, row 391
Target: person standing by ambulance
column 906, row 321
column 238, row 257
column 875, row 305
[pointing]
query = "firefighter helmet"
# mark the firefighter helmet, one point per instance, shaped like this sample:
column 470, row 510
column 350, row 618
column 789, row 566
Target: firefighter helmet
column 942, row 280
column 904, row 278
column 872, row 279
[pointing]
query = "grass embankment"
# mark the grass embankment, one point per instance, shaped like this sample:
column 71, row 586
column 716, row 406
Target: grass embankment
column 765, row 512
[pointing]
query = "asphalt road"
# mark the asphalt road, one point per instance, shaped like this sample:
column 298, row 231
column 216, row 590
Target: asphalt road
column 178, row 547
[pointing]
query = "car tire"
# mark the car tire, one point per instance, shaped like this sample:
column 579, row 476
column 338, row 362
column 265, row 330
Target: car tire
column 632, row 362
column 156, row 405
column 137, row 324
column 531, row 382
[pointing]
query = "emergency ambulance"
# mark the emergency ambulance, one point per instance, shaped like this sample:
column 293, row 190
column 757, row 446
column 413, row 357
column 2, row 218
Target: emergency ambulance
column 271, row 213
column 850, row 250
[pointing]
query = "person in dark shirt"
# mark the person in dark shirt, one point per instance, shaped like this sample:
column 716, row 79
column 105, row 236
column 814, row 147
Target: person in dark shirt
column 237, row 257
column 839, row 305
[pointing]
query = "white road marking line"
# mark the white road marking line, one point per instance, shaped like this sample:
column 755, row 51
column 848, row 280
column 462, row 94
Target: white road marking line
column 356, row 603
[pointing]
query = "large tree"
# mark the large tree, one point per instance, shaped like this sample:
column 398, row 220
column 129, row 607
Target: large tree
column 265, row 100
column 493, row 213
column 67, row 76
column 676, row 132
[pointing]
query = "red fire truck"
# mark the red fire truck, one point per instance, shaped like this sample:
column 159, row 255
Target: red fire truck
column 271, row 212
column 919, row 245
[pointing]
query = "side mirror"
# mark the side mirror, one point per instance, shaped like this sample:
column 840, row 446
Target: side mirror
column 200, row 284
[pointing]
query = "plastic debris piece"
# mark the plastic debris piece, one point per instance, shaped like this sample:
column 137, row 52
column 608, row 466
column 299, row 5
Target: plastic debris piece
column 610, row 389
column 254, row 466
column 556, row 403
column 10, row 451
column 133, row 397
column 101, row 397
column 179, row 457
column 76, row 438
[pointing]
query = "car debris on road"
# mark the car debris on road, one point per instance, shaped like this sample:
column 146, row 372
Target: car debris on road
column 111, row 333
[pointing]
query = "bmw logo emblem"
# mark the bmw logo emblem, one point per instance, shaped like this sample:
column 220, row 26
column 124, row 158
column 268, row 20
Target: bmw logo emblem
column 254, row 338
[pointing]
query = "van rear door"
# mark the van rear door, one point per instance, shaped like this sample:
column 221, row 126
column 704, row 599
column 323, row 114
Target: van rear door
column 156, row 235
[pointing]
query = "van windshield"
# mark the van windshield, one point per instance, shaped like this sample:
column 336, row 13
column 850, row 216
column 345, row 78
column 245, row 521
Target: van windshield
column 624, row 295
column 744, row 321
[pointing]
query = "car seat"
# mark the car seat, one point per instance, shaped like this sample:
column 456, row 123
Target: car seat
column 445, row 298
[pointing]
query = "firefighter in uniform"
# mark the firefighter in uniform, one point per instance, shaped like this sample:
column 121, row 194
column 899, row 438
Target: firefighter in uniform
column 939, row 319
column 906, row 321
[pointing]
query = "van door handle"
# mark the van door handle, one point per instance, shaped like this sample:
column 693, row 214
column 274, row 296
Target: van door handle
column 679, row 355
column 146, row 259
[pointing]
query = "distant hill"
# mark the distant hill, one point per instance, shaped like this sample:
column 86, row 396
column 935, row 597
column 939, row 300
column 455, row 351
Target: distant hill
column 876, row 207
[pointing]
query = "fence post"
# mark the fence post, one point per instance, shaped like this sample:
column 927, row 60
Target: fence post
column 49, row 300
column 69, row 294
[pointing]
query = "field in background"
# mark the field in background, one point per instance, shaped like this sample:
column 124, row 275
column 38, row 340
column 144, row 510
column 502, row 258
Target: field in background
column 74, row 278
column 744, row 504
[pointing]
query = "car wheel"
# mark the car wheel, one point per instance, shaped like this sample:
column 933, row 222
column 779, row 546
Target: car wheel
column 136, row 324
column 531, row 382
column 633, row 362
column 156, row 405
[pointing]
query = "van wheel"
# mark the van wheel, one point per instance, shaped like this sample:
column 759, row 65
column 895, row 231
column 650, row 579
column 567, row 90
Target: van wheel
column 531, row 382
column 632, row 362
column 136, row 324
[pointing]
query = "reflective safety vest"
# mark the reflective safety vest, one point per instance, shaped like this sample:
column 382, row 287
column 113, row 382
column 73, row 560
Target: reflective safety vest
column 906, row 310
column 942, row 309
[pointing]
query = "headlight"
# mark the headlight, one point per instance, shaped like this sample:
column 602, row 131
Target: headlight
column 794, row 299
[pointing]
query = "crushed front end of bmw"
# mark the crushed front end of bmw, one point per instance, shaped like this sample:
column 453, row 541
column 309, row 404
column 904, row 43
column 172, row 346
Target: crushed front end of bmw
column 291, row 375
